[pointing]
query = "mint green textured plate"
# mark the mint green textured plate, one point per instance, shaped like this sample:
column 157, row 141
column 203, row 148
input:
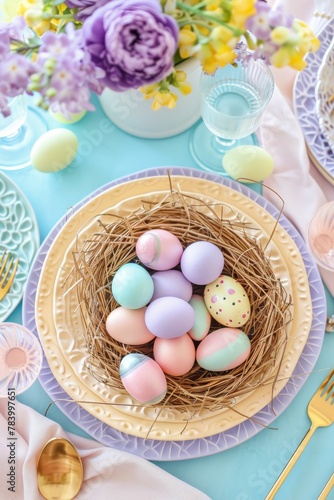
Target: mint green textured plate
column 19, row 235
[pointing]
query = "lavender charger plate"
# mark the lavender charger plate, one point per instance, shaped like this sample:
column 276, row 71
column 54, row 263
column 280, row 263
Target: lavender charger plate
column 157, row 450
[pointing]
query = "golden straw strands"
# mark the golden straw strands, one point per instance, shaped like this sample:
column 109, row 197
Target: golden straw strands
column 190, row 219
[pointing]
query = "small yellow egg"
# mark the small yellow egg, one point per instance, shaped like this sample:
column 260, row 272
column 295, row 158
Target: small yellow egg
column 54, row 150
column 248, row 163
column 75, row 117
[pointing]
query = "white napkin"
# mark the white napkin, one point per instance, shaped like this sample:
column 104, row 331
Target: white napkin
column 294, row 177
column 108, row 473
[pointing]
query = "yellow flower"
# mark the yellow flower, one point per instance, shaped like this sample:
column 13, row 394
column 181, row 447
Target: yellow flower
column 222, row 34
column 187, row 40
column 164, row 99
column 214, row 9
column 149, row 90
column 212, row 57
column 207, row 59
column 179, row 80
column 307, row 41
column 280, row 35
column 55, row 22
column 32, row 11
column 241, row 11
column 26, row 5
column 218, row 50
column 288, row 56
column 225, row 56
column 8, row 10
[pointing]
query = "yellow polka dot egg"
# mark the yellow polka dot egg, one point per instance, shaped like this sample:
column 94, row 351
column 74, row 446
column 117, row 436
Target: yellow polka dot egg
column 227, row 301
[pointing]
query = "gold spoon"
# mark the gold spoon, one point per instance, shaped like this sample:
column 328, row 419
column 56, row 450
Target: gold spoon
column 59, row 470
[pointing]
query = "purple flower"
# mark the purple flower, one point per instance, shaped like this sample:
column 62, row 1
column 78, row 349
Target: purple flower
column 65, row 74
column 15, row 28
column 85, row 7
column 15, row 69
column 133, row 42
column 266, row 19
column 277, row 17
column 262, row 24
column 259, row 24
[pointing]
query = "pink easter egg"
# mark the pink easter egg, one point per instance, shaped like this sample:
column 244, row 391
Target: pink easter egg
column 175, row 356
column 128, row 326
column 159, row 249
column 223, row 349
column 143, row 378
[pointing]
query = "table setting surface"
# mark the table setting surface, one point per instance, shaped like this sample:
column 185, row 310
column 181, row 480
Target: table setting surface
column 258, row 453
column 41, row 216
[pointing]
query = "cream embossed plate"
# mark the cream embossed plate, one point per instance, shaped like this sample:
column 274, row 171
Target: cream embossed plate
column 60, row 328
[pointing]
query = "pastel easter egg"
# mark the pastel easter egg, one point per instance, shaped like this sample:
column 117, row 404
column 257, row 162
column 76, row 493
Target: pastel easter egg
column 175, row 356
column 132, row 286
column 171, row 283
column 159, row 249
column 143, row 378
column 128, row 326
column 202, row 262
column 223, row 349
column 227, row 301
column 54, row 150
column 202, row 318
column 169, row 317
column 71, row 118
column 252, row 163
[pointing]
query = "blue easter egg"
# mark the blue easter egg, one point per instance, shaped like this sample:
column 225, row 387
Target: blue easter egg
column 132, row 286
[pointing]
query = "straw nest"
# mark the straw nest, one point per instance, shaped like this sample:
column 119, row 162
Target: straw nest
column 190, row 219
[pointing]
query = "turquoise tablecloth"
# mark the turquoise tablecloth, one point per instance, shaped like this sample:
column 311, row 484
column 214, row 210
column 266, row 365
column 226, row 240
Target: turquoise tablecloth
column 245, row 471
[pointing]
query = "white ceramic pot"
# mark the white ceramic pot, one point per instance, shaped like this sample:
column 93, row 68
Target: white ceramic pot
column 133, row 114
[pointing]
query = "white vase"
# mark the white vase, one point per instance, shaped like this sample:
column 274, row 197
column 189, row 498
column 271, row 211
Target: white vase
column 133, row 114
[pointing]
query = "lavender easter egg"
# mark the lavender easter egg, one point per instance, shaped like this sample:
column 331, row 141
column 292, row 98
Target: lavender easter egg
column 223, row 349
column 202, row 262
column 171, row 283
column 169, row 317
column 143, row 378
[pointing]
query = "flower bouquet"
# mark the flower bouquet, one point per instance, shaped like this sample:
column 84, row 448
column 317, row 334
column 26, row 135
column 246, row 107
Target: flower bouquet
column 63, row 51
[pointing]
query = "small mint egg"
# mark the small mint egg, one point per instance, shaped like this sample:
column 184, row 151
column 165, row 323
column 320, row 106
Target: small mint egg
column 202, row 318
column 132, row 286
column 248, row 163
column 54, row 150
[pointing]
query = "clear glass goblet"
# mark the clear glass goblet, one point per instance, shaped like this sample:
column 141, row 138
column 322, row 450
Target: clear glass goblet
column 18, row 133
column 233, row 100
